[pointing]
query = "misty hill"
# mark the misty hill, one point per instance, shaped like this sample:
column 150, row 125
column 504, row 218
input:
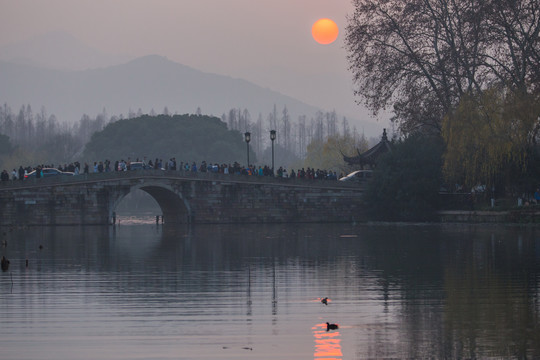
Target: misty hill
column 150, row 82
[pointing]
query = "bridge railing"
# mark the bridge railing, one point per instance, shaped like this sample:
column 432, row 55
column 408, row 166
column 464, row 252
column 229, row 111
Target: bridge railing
column 188, row 175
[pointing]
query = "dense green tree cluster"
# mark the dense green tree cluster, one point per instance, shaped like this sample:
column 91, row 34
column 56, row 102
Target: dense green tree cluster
column 186, row 137
column 464, row 70
column 328, row 154
column 491, row 139
column 407, row 181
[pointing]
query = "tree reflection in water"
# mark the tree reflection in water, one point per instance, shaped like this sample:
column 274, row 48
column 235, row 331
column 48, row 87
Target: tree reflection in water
column 400, row 292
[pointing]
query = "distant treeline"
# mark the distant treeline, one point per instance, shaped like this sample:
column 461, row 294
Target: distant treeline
column 37, row 137
column 293, row 136
column 40, row 137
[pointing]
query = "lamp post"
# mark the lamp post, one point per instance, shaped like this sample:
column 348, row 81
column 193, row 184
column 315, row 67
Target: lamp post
column 272, row 138
column 247, row 137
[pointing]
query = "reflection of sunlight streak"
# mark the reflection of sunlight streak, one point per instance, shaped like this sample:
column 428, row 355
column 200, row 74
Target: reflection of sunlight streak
column 327, row 344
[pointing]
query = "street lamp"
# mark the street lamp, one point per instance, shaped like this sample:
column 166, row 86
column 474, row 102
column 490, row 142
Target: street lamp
column 247, row 137
column 272, row 137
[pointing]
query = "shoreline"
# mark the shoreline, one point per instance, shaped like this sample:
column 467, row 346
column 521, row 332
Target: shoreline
column 518, row 216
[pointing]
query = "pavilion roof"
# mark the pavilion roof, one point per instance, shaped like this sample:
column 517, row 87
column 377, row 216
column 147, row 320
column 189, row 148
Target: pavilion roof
column 370, row 156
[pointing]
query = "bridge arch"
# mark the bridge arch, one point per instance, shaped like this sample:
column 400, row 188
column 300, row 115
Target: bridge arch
column 91, row 199
column 174, row 207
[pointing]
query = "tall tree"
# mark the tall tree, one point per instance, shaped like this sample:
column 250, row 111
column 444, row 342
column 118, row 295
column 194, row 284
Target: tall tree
column 41, row 125
column 285, row 129
column 346, row 130
column 489, row 138
column 232, row 120
column 302, row 136
column 406, row 181
column 5, row 145
column 246, row 119
column 272, row 120
column 331, row 123
column 318, row 127
column 328, row 154
column 422, row 56
column 258, row 137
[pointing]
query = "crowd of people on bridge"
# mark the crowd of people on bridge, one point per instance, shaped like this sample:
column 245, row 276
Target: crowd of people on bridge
column 76, row 168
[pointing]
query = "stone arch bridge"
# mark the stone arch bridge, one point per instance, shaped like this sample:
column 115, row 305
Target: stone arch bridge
column 184, row 197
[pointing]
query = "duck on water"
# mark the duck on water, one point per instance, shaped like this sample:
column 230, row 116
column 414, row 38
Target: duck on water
column 331, row 326
column 4, row 264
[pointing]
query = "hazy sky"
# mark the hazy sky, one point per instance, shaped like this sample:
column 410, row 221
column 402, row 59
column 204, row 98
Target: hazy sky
column 267, row 42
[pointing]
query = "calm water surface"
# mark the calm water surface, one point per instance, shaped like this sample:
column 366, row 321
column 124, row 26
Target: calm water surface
column 253, row 292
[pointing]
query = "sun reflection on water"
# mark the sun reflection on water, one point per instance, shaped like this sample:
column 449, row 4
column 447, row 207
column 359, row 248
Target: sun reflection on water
column 327, row 343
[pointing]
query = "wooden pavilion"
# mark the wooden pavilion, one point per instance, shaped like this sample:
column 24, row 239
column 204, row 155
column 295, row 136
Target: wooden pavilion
column 370, row 156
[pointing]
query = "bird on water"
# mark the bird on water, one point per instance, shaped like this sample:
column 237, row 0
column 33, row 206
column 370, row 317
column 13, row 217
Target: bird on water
column 325, row 301
column 4, row 264
column 331, row 326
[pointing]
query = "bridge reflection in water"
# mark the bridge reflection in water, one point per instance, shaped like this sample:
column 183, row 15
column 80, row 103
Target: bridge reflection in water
column 327, row 343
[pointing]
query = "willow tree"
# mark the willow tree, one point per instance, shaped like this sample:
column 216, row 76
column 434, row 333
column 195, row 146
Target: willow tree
column 328, row 154
column 422, row 56
column 489, row 137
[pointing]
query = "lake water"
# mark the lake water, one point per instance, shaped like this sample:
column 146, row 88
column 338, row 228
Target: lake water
column 143, row 291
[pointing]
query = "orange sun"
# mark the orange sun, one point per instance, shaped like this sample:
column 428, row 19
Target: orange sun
column 324, row 31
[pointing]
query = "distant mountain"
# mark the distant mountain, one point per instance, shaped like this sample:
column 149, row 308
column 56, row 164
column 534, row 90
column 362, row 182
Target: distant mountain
column 150, row 82
column 146, row 83
column 69, row 78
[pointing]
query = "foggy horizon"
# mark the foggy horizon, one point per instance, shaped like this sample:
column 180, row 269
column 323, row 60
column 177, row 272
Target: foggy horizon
column 269, row 45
